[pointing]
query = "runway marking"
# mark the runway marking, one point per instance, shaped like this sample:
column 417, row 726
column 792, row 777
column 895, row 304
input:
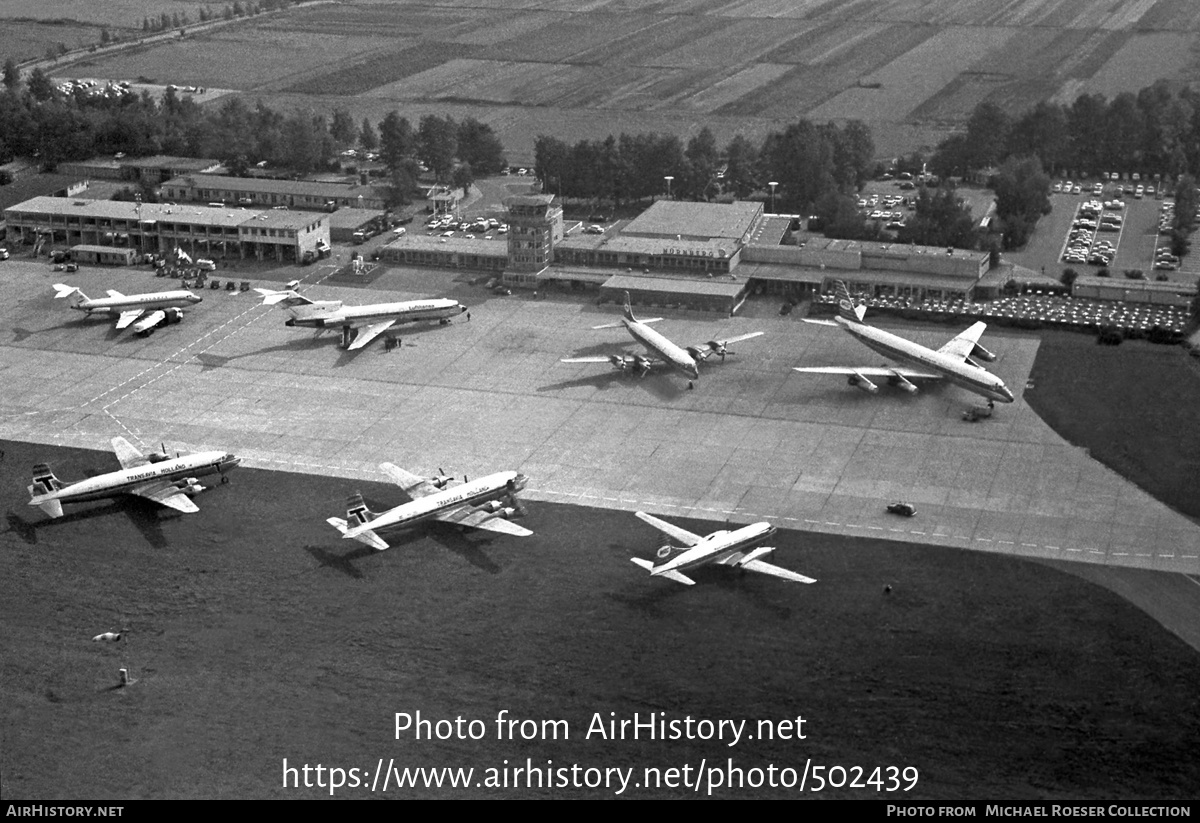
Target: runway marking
column 1030, row 545
column 1055, row 548
column 984, row 539
column 1005, row 542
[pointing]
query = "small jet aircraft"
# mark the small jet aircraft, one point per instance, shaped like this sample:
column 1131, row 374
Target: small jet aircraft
column 149, row 310
column 169, row 481
column 952, row 361
column 475, row 503
column 359, row 324
column 727, row 548
column 663, row 350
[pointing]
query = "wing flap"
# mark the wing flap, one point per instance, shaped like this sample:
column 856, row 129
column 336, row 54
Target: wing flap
column 762, row 567
column 962, row 345
column 871, row 371
column 368, row 333
column 166, row 494
column 128, row 317
column 413, row 485
column 477, row 519
column 682, row 535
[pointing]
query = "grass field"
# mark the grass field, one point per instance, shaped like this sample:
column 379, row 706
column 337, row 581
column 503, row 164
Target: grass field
column 256, row 635
column 1134, row 408
column 912, row 71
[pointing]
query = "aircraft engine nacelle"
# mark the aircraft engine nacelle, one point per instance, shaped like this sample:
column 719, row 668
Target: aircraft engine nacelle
column 492, row 506
column 900, row 382
column 697, row 353
column 642, row 364
column 170, row 317
column 618, row 362
column 860, row 382
column 982, row 353
column 757, row 554
column 190, row 486
column 440, row 480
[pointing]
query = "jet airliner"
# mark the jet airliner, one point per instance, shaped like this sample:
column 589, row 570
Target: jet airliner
column 727, row 548
column 663, row 351
column 169, row 481
column 953, row 362
column 359, row 324
column 475, row 503
column 150, row 310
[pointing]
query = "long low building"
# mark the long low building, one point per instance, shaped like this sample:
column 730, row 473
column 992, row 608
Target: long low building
column 273, row 234
column 261, row 191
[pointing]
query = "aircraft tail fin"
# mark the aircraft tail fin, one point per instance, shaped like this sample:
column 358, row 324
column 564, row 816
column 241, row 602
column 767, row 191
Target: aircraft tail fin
column 846, row 307
column 357, row 513
column 44, row 480
column 287, row 297
column 629, row 310
column 74, row 292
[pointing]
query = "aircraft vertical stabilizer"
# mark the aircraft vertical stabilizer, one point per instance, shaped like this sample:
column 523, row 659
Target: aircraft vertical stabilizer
column 357, row 512
column 44, row 480
column 846, row 307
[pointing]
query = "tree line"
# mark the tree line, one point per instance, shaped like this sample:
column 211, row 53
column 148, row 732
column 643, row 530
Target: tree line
column 805, row 161
column 37, row 120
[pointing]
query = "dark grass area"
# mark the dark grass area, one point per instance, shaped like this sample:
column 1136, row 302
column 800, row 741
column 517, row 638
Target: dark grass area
column 1134, row 407
column 258, row 634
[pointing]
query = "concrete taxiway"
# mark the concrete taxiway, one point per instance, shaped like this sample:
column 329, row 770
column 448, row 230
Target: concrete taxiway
column 754, row 440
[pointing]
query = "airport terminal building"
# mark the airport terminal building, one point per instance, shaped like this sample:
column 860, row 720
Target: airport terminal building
column 157, row 227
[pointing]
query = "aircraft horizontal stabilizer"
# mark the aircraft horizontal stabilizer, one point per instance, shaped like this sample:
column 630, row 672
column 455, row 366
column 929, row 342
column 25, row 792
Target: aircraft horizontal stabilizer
column 51, row 507
column 63, row 290
column 676, row 576
column 369, row 537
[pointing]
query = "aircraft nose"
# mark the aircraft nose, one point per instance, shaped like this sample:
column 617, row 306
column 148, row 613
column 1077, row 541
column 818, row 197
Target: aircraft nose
column 1008, row 395
column 230, row 460
column 519, row 481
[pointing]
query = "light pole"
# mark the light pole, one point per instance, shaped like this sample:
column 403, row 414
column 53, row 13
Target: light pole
column 668, row 178
column 773, row 184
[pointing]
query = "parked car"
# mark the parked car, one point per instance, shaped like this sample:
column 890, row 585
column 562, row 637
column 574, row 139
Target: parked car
column 902, row 509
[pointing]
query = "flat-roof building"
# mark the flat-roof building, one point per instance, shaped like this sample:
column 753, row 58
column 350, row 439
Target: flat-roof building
column 161, row 227
column 264, row 192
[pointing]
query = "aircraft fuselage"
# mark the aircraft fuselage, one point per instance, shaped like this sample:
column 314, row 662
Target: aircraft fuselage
column 900, row 350
column 120, row 482
column 717, row 546
column 670, row 352
column 158, row 300
column 482, row 490
column 334, row 315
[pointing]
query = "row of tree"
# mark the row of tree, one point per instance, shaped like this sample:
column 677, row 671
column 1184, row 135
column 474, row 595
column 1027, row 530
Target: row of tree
column 39, row 121
column 805, row 161
column 1156, row 130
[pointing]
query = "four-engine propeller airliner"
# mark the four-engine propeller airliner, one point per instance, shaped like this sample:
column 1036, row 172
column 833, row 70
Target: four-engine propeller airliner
column 475, row 503
column 149, row 310
column 166, row 480
column 728, row 548
column 953, row 362
column 663, row 350
column 359, row 324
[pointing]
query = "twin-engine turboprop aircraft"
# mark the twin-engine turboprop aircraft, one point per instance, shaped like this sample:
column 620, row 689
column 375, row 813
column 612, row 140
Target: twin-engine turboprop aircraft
column 148, row 310
column 475, row 503
column 359, row 324
column 727, row 548
column 663, row 351
column 952, row 361
column 169, row 481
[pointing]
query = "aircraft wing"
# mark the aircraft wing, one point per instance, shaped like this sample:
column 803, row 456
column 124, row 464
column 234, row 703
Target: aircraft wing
column 146, row 323
column 682, row 535
column 871, row 371
column 962, row 345
column 368, row 333
column 413, row 485
column 718, row 346
column 167, row 494
column 128, row 317
column 127, row 453
column 764, row 567
column 476, row 519
column 817, row 322
column 676, row 576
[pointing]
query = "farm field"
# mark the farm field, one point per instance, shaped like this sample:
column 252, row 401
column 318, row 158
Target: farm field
column 912, row 71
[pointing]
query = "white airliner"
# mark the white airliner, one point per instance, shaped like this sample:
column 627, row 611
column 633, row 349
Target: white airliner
column 359, row 324
column 165, row 480
column 149, row 310
column 727, row 548
column 476, row 503
column 953, row 362
column 665, row 352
